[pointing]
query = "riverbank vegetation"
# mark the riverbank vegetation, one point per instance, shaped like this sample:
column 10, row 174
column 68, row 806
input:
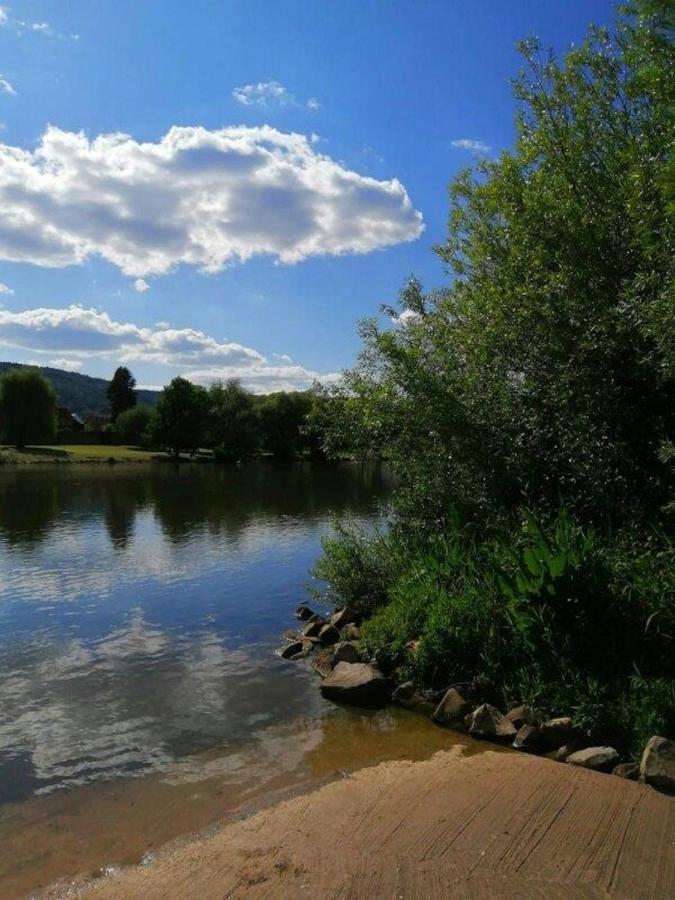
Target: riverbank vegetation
column 528, row 409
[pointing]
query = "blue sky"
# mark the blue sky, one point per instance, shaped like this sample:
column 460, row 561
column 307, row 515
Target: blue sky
column 278, row 169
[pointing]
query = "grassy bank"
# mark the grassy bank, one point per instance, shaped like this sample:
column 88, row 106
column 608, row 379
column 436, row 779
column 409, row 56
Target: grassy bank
column 548, row 614
column 78, row 453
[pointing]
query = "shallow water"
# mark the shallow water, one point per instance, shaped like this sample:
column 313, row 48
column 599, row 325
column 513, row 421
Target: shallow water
column 140, row 695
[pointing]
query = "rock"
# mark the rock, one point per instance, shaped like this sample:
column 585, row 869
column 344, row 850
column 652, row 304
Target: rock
column 343, row 617
column 346, row 652
column 561, row 754
column 291, row 636
column 631, row 771
column 600, row 759
column 329, row 634
column 303, row 612
column 488, row 722
column 452, row 707
column 657, row 766
column 323, row 662
column 520, row 715
column 529, row 739
column 404, row 691
column 356, row 683
column 296, row 650
column 313, row 627
column 351, row 633
column 557, row 732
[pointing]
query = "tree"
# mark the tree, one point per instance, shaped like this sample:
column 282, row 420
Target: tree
column 546, row 369
column 233, row 424
column 121, row 392
column 135, row 424
column 283, row 417
column 182, row 417
column 27, row 408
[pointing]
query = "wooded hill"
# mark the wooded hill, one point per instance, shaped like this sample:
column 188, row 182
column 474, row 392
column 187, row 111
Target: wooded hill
column 82, row 394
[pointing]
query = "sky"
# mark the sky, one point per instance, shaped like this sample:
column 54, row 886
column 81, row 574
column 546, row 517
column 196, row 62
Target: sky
column 223, row 188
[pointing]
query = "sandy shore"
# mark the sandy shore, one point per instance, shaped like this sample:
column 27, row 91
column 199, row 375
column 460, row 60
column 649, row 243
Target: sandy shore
column 483, row 826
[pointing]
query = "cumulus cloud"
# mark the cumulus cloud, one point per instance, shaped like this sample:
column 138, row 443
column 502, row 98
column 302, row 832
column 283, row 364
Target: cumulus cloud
column 470, row 144
column 4, row 289
column 79, row 333
column 7, row 87
column 141, row 285
column 197, row 197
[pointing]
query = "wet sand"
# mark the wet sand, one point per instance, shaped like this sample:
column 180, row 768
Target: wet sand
column 72, row 834
column 454, row 826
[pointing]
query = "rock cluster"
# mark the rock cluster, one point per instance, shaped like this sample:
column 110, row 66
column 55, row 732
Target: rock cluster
column 348, row 678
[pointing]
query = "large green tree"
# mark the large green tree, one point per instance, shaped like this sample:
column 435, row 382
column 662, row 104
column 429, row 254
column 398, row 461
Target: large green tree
column 283, row 419
column 233, row 423
column 546, row 369
column 121, row 391
column 27, row 408
column 182, row 417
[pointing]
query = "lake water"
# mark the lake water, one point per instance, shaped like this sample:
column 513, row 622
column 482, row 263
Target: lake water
column 140, row 695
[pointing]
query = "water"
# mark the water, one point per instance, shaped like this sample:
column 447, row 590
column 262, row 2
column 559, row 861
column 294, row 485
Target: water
column 140, row 695
column 140, row 606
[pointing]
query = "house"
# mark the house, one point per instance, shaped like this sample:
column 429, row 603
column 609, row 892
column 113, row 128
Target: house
column 66, row 419
column 97, row 422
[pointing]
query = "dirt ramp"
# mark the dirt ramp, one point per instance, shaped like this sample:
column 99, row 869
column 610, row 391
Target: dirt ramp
column 494, row 825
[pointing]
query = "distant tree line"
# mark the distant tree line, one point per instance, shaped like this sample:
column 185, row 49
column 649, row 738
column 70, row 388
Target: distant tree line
column 225, row 417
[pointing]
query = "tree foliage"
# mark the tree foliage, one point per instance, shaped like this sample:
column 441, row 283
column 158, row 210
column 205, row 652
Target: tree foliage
column 545, row 370
column 233, row 425
column 121, row 392
column 182, row 417
column 135, row 424
column 27, row 408
column 283, row 417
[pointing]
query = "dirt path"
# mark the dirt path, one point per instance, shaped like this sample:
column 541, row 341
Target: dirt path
column 486, row 826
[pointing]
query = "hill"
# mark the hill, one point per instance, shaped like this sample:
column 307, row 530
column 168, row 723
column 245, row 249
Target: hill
column 82, row 394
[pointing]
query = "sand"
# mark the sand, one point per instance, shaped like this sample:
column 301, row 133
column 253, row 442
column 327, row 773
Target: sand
column 455, row 826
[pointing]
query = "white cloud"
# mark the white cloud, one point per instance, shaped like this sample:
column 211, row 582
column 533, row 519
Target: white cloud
column 7, row 87
column 78, row 333
column 141, row 285
column 3, row 15
column 407, row 317
column 70, row 365
column 313, row 104
column 4, row 289
column 470, row 144
column 197, row 197
column 264, row 93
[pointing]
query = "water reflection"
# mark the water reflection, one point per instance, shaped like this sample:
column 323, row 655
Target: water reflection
column 139, row 606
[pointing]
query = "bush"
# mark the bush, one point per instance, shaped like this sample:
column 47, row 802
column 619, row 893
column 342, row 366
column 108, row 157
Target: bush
column 134, row 425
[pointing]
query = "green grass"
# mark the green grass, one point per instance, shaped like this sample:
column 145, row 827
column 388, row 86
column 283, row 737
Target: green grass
column 78, row 453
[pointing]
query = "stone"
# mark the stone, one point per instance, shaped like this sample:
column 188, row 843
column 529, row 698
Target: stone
column 487, row 722
column 323, row 662
column 291, row 636
column 600, row 759
column 343, row 617
column 657, row 766
column 351, row 632
column 303, row 612
column 329, row 634
column 560, row 731
column 404, row 691
column 313, row 628
column 346, row 652
column 631, row 771
column 452, row 708
column 529, row 739
column 355, row 683
column 561, row 753
column 296, row 650
column 520, row 715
